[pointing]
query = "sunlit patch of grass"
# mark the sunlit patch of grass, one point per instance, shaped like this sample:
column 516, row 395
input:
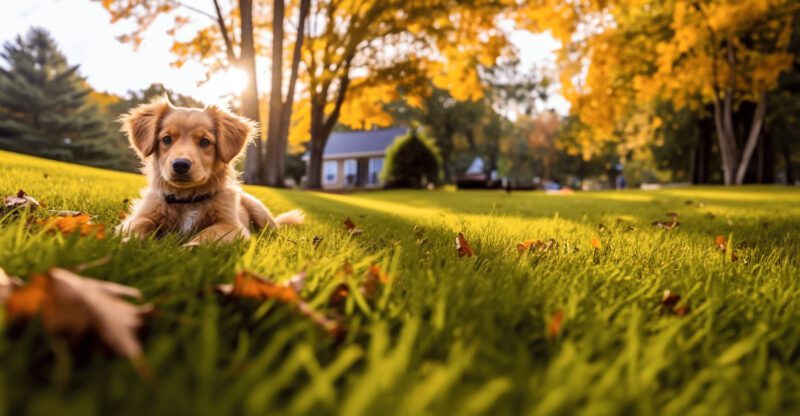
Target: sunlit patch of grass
column 449, row 335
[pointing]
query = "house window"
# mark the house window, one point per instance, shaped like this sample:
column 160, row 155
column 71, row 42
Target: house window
column 350, row 172
column 330, row 171
column 375, row 168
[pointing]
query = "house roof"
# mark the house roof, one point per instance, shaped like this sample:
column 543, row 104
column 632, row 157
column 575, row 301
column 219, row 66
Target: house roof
column 361, row 142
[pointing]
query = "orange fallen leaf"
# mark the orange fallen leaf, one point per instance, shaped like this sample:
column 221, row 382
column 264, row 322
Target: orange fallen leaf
column 681, row 310
column 596, row 244
column 249, row 285
column 529, row 245
column 463, row 247
column 73, row 223
column 556, row 321
column 72, row 305
column 721, row 243
column 351, row 228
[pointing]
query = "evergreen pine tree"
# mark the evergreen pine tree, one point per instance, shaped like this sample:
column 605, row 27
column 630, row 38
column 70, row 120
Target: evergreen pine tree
column 43, row 105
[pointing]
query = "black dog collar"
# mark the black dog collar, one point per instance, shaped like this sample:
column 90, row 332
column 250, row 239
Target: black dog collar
column 172, row 199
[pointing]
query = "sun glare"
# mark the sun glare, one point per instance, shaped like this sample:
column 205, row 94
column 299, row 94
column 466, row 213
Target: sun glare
column 234, row 80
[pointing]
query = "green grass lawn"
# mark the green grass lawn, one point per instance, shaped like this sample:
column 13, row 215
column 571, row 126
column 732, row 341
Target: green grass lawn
column 448, row 335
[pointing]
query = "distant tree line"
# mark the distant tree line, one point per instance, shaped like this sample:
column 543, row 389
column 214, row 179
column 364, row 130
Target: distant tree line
column 48, row 109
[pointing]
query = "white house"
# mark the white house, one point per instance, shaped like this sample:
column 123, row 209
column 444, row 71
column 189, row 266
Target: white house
column 355, row 159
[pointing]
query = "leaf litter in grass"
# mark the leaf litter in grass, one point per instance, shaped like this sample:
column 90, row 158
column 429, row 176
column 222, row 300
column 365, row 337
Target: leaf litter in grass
column 69, row 222
column 463, row 247
column 539, row 246
column 73, row 306
column 668, row 225
column 250, row 285
column 596, row 244
column 555, row 324
column 671, row 301
column 19, row 201
column 351, row 227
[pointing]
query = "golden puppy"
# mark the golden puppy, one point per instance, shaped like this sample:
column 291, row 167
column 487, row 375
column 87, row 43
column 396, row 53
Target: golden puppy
column 188, row 157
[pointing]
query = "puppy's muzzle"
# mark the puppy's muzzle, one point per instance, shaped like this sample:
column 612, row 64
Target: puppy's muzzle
column 181, row 166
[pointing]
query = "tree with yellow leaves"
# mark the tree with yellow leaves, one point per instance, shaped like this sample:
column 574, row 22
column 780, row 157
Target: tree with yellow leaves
column 689, row 52
column 360, row 54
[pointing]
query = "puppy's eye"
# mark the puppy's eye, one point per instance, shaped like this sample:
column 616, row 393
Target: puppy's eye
column 167, row 140
column 204, row 142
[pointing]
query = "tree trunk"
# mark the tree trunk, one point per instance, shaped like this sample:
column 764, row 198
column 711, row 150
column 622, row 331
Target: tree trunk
column 752, row 138
column 787, row 159
column 275, row 159
column 254, row 154
column 287, row 106
column 316, row 147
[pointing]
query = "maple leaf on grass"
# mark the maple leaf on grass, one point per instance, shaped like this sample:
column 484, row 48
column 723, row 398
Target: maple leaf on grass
column 375, row 279
column 72, row 306
column 463, row 247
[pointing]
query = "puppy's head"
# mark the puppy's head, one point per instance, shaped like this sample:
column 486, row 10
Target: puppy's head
column 189, row 145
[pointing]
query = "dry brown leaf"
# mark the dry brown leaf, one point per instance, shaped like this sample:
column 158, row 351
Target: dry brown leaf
column 463, row 247
column 667, row 225
column 670, row 299
column 72, row 305
column 339, row 295
column 71, row 223
column 20, row 200
column 681, row 310
column 351, row 228
column 556, row 321
column 316, row 241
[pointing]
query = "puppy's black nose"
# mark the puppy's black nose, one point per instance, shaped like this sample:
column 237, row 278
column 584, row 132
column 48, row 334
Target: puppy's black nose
column 181, row 165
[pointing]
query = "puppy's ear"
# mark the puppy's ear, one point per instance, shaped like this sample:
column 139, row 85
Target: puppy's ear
column 233, row 132
column 141, row 125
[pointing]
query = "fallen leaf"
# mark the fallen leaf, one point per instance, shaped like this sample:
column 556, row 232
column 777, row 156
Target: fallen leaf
column 316, row 241
column 672, row 215
column 374, row 280
column 667, row 225
column 670, row 299
column 681, row 310
column 463, row 247
column 601, row 228
column 629, row 229
column 250, row 285
column 20, row 200
column 339, row 295
column 72, row 305
column 68, row 224
column 529, row 245
column 554, row 327
column 721, row 243
column 596, row 244
column 298, row 281
column 247, row 284
column 351, row 228
column 8, row 284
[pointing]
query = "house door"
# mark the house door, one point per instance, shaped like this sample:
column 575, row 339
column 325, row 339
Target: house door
column 363, row 172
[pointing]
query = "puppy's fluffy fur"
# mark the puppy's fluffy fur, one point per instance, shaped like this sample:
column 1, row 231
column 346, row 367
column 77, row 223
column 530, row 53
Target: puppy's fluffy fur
column 206, row 199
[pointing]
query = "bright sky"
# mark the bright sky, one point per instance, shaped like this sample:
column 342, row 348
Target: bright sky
column 86, row 36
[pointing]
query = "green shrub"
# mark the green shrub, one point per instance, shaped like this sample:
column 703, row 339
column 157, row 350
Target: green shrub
column 412, row 161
